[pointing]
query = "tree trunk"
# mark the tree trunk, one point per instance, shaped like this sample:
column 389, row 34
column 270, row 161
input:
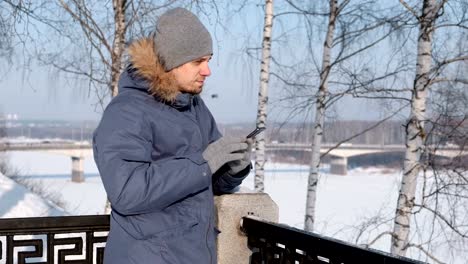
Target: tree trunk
column 415, row 134
column 119, row 43
column 117, row 53
column 263, row 96
column 319, row 119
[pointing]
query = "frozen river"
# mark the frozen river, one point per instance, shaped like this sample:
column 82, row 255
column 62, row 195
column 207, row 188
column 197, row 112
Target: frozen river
column 343, row 202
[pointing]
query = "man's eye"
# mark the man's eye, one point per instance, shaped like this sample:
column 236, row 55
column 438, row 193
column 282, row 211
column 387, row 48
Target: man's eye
column 197, row 62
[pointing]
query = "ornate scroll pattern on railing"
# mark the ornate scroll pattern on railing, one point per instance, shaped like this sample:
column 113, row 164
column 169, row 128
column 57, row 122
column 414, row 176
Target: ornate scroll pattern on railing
column 279, row 244
column 53, row 240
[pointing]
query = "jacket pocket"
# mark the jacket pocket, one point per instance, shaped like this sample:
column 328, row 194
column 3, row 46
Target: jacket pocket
column 159, row 249
column 174, row 232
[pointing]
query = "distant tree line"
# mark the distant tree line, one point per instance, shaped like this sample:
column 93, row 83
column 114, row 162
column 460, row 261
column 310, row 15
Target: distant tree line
column 389, row 132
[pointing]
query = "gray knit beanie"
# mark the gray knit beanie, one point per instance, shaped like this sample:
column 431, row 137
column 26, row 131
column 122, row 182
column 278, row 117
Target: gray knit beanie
column 180, row 37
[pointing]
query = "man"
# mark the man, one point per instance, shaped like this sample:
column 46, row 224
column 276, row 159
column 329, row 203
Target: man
column 160, row 154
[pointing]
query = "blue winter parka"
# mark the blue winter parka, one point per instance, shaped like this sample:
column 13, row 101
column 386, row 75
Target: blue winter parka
column 148, row 148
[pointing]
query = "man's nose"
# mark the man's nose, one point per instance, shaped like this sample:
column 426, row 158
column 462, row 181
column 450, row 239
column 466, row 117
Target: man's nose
column 205, row 69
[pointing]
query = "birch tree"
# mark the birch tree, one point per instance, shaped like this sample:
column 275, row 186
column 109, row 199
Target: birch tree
column 415, row 128
column 263, row 96
column 97, row 33
column 98, row 60
column 426, row 73
column 86, row 40
column 438, row 230
column 429, row 222
column 353, row 31
column 109, row 50
column 317, row 131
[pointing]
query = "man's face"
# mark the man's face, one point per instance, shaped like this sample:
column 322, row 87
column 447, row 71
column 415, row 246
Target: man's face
column 191, row 76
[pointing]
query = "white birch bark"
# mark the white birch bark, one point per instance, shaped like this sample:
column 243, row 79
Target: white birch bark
column 117, row 52
column 415, row 133
column 263, row 97
column 118, row 44
column 319, row 119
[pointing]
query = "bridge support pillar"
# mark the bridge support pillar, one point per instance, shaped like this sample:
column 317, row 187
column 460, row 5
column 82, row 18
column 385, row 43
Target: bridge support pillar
column 339, row 165
column 230, row 208
column 77, row 169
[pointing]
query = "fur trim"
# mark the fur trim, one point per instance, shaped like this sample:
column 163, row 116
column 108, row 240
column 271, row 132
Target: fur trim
column 147, row 65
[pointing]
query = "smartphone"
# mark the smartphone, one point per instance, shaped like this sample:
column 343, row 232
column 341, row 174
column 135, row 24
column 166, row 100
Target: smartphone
column 257, row 131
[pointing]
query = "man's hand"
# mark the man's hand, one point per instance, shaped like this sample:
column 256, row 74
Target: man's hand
column 224, row 150
column 237, row 166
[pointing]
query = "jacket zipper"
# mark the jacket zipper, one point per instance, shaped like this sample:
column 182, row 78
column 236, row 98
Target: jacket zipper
column 197, row 122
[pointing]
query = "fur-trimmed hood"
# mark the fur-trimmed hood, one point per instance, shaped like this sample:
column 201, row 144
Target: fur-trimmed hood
column 146, row 64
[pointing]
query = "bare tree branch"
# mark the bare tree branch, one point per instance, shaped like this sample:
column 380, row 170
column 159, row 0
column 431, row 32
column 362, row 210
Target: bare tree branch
column 410, row 9
column 87, row 23
column 454, row 80
column 436, row 260
column 378, row 237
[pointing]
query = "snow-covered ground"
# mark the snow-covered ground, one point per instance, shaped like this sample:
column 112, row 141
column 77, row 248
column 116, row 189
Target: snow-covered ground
column 343, row 202
column 53, row 172
column 17, row 201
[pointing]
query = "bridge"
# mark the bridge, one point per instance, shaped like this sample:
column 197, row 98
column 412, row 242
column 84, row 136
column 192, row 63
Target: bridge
column 338, row 163
column 77, row 151
column 339, row 155
column 349, row 150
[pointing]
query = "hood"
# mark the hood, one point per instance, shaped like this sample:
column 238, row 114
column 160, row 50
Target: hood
column 147, row 72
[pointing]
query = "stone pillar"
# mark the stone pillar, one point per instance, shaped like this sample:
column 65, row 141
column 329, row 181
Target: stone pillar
column 77, row 169
column 232, row 243
column 339, row 165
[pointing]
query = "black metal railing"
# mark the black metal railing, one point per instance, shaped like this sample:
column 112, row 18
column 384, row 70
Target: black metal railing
column 47, row 240
column 279, row 244
column 81, row 239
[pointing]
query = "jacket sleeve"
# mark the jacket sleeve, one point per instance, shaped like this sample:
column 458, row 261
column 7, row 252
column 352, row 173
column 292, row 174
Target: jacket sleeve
column 134, row 183
column 224, row 182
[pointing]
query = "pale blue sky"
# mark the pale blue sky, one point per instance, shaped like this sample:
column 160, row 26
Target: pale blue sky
column 41, row 96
